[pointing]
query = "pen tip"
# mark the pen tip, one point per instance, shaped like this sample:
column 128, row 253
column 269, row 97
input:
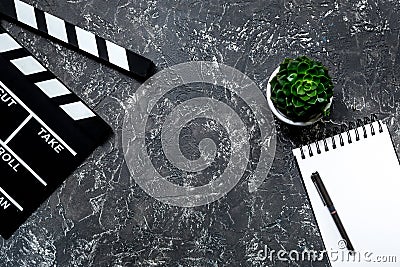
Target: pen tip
column 314, row 175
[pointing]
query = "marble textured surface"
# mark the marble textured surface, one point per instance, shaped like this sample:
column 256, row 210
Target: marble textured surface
column 101, row 217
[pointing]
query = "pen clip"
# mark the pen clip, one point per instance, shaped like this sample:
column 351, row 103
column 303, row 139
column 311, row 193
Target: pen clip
column 319, row 192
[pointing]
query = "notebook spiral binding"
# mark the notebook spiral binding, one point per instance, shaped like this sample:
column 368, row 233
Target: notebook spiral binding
column 344, row 129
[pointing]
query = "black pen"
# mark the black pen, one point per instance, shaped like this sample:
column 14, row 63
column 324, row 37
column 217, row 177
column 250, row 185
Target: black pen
column 328, row 202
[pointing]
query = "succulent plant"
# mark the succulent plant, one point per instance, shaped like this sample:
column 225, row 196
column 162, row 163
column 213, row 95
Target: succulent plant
column 302, row 89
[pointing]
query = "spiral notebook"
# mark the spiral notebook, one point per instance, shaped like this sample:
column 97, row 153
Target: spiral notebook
column 361, row 172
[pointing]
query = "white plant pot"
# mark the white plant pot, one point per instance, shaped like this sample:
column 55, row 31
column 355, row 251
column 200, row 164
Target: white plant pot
column 283, row 117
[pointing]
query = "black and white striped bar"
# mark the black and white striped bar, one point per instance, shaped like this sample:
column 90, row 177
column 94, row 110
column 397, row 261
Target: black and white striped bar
column 46, row 132
column 103, row 50
column 53, row 88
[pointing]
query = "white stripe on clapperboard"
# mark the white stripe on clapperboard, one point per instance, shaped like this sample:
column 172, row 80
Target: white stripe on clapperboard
column 25, row 13
column 36, row 117
column 11, row 199
column 53, row 88
column 7, row 43
column 77, row 111
column 56, row 27
column 87, row 41
column 28, row 65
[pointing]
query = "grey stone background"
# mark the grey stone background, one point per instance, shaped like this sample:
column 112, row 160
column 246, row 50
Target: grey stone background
column 100, row 217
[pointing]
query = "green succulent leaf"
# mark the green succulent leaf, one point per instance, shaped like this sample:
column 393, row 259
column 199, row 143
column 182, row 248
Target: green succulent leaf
column 301, row 90
column 324, row 95
column 314, row 69
column 312, row 93
column 305, row 97
column 297, row 103
column 286, row 89
column 303, row 67
column 293, row 89
column 282, row 80
column 314, row 86
column 280, row 94
column 308, row 86
column 320, row 88
column 308, row 77
column 289, row 102
column 312, row 101
column 292, row 77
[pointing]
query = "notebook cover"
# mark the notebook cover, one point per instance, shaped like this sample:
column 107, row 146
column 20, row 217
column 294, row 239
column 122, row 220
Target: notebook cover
column 362, row 178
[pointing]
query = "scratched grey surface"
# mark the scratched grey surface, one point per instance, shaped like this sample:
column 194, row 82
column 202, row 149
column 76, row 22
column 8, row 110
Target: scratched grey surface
column 101, row 217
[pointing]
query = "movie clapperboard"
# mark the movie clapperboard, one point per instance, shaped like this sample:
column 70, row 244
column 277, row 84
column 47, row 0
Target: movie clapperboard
column 46, row 131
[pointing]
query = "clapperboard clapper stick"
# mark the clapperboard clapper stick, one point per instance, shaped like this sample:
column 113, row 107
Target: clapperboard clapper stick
column 46, row 133
column 77, row 38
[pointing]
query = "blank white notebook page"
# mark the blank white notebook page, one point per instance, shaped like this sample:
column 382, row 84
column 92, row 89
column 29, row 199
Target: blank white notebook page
column 363, row 180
